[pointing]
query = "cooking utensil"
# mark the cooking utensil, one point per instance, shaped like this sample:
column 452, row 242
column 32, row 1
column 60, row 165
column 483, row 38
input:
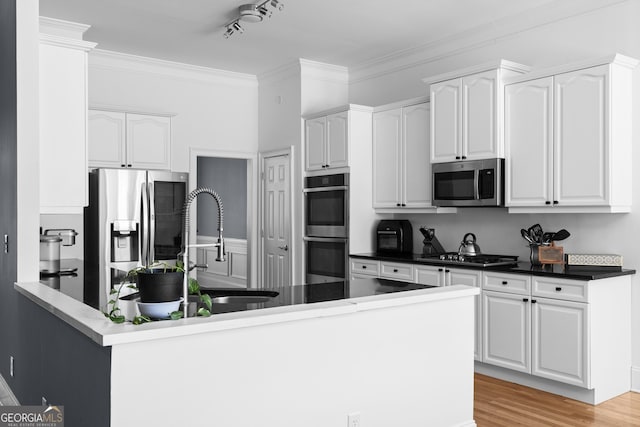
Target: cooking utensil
column 547, row 238
column 535, row 232
column 525, row 236
column 560, row 235
column 468, row 245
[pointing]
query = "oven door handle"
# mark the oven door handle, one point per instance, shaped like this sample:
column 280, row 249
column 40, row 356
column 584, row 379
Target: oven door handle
column 318, row 189
column 325, row 239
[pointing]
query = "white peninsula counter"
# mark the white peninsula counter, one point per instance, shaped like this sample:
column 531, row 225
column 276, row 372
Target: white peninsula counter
column 402, row 358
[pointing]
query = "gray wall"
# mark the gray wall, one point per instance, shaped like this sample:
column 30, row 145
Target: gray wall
column 228, row 178
column 8, row 189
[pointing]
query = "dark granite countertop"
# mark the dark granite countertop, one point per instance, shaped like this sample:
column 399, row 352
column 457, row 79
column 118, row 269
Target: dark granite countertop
column 523, row 267
column 74, row 286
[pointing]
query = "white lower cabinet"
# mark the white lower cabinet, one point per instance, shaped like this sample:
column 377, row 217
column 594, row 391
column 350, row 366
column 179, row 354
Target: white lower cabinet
column 559, row 341
column 506, row 330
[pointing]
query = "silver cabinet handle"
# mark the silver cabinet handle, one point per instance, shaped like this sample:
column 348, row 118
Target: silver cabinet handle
column 284, row 248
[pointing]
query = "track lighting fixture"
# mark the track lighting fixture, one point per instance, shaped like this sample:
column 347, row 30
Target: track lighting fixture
column 251, row 13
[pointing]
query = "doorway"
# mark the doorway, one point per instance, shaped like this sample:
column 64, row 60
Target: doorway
column 276, row 214
column 232, row 175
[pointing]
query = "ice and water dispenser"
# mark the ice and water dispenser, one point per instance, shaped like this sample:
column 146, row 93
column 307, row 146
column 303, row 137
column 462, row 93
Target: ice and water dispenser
column 124, row 241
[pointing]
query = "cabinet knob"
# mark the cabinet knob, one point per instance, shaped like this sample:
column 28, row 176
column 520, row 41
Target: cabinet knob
column 555, row 202
column 404, row 204
column 457, row 157
column 547, row 202
column 397, row 204
column 446, row 270
column 123, row 165
column 464, row 157
column 525, row 299
column 533, row 301
column 440, row 269
column 504, row 282
column 558, row 288
column 364, row 267
column 128, row 166
column 395, row 270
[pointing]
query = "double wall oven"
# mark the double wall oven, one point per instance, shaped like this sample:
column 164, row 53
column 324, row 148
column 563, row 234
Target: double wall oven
column 326, row 228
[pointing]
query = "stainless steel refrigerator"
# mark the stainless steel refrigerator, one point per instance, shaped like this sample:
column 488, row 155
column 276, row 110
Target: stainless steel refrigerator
column 134, row 218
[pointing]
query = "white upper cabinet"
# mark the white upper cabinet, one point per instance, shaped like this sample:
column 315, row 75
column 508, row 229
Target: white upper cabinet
column 466, row 112
column 401, row 167
column 568, row 140
column 63, row 118
column 326, row 142
column 128, row 140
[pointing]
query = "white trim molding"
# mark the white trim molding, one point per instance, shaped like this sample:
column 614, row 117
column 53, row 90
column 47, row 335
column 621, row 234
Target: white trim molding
column 109, row 60
column 635, row 379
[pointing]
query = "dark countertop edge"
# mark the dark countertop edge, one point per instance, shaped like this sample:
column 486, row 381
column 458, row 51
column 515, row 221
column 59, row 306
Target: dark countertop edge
column 575, row 273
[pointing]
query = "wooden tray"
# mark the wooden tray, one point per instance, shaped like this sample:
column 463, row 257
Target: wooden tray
column 551, row 254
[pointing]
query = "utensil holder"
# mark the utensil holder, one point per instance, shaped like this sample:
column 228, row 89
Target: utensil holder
column 534, row 256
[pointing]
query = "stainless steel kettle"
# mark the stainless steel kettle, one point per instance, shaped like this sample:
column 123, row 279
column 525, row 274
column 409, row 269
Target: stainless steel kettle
column 468, row 246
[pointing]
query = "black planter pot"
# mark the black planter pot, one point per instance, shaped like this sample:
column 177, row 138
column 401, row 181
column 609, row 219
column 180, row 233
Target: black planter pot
column 160, row 285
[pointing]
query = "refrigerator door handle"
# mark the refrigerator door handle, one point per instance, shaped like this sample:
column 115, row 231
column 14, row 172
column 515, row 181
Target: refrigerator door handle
column 145, row 225
column 152, row 223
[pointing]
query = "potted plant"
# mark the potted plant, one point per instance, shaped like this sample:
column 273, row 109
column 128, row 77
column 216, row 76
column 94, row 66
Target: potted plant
column 158, row 283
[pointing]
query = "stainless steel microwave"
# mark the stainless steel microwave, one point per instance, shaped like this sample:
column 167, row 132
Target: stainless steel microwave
column 468, row 183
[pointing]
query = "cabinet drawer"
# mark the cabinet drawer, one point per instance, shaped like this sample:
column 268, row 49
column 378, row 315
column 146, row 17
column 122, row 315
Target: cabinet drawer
column 365, row 266
column 512, row 283
column 396, row 271
column 569, row 290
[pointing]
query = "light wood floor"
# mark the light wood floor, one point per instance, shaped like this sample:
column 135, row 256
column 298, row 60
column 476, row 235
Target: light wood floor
column 504, row 404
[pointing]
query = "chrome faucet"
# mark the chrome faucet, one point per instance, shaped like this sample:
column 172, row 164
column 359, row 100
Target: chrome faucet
column 185, row 238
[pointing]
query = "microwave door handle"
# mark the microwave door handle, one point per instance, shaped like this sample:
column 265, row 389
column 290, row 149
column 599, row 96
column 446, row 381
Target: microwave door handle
column 152, row 224
column 145, row 225
column 476, row 184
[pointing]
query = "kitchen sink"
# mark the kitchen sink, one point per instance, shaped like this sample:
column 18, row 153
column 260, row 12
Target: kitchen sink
column 240, row 299
column 239, row 296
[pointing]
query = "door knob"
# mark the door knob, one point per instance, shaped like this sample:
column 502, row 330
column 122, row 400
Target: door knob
column 284, row 248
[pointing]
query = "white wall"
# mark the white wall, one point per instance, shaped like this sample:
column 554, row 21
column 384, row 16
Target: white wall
column 599, row 32
column 27, row 33
column 213, row 109
column 286, row 94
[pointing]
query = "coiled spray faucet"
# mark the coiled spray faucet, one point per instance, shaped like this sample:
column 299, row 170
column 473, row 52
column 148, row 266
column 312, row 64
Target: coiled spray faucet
column 185, row 237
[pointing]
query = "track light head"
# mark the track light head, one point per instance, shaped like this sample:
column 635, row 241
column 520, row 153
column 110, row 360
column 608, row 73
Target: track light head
column 251, row 13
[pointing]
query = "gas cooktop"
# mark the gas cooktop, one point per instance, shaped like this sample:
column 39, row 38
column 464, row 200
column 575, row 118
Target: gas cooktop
column 481, row 260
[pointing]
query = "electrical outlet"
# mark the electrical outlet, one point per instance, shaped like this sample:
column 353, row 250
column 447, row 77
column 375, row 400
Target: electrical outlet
column 353, row 419
column 11, row 366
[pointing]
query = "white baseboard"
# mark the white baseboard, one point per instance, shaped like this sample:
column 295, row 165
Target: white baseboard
column 635, row 379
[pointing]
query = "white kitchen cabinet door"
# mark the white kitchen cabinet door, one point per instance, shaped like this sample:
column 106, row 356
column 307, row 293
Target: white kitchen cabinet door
column 480, row 116
column 581, row 114
column 315, row 137
column 560, row 341
column 529, row 148
column 506, row 330
column 446, row 121
column 430, row 275
column 63, row 127
column 387, row 152
column 148, row 141
column 415, row 173
column 337, row 153
column 107, row 139
column 459, row 276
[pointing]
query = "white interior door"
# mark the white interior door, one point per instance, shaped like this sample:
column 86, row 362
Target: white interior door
column 276, row 222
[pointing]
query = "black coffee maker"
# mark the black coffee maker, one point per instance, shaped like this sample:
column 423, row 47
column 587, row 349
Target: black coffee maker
column 431, row 244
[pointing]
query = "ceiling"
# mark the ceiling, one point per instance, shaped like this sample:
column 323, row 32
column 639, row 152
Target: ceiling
column 349, row 33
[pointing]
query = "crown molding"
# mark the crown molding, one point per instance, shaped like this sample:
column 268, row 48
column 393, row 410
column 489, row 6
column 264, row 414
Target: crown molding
column 78, row 44
column 283, row 72
column 325, row 72
column 478, row 37
column 61, row 28
column 109, row 60
column 492, row 65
